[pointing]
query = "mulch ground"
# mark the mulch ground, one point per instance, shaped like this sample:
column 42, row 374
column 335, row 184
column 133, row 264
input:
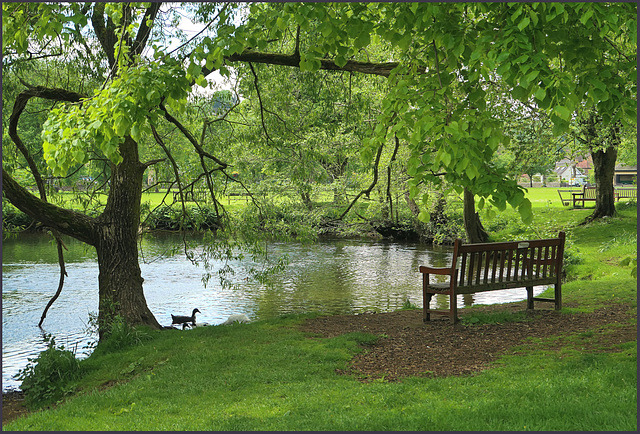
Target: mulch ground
column 410, row 347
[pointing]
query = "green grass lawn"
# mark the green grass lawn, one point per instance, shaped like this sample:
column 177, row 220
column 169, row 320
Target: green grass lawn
column 268, row 375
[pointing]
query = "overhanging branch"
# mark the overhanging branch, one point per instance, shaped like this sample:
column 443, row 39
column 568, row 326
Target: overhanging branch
column 382, row 69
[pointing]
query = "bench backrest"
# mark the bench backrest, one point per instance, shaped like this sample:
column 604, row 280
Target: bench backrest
column 589, row 192
column 626, row 192
column 499, row 264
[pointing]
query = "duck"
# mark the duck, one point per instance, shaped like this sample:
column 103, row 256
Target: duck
column 236, row 318
column 185, row 320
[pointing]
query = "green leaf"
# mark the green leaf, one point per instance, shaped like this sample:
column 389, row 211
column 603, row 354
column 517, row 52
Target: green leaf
column 305, row 66
column 79, row 155
column 524, row 209
column 523, row 23
column 424, row 216
column 521, row 59
column 445, row 157
column 362, row 40
column 559, row 126
column 201, row 81
column 471, row 171
column 532, row 75
column 585, row 17
column 96, row 124
column 517, row 198
column 519, row 92
column 340, row 61
column 597, row 83
column 562, row 112
column 122, row 125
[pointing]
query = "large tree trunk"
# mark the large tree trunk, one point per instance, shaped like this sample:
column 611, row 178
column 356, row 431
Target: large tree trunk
column 472, row 224
column 604, row 162
column 120, row 279
column 594, row 134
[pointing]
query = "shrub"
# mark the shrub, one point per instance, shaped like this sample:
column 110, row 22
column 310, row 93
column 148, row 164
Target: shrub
column 50, row 376
column 13, row 219
column 119, row 335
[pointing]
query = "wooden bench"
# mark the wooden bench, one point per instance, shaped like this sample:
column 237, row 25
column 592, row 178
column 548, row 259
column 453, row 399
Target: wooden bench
column 566, row 199
column 587, row 194
column 625, row 192
column 492, row 266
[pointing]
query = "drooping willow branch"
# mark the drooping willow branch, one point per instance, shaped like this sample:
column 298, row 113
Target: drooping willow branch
column 201, row 153
column 393, row 158
column 174, row 165
column 18, row 108
column 255, row 82
column 368, row 190
column 63, row 273
column 192, row 140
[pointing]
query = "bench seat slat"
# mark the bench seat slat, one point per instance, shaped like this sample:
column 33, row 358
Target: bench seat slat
column 504, row 285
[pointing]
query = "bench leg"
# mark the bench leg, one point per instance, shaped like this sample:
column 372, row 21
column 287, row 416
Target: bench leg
column 530, row 297
column 453, row 302
column 426, row 300
column 558, row 296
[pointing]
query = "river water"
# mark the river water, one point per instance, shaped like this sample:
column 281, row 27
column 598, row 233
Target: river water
column 331, row 276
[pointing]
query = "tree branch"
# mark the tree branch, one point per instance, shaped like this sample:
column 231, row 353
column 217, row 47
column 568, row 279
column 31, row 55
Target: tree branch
column 255, row 82
column 68, row 222
column 145, row 31
column 383, row 69
column 63, row 273
column 105, row 33
column 370, row 188
column 191, row 139
column 393, row 158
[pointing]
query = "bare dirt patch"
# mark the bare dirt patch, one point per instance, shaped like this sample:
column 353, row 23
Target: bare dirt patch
column 409, row 347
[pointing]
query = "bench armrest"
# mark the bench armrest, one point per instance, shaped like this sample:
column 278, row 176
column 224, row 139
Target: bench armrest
column 431, row 270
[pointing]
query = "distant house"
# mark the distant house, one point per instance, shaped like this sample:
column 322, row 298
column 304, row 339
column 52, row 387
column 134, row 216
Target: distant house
column 585, row 165
column 625, row 175
column 569, row 172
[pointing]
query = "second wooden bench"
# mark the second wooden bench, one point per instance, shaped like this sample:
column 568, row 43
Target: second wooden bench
column 493, row 266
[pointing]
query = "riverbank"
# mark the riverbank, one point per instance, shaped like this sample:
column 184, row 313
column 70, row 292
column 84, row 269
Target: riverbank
column 364, row 220
column 501, row 369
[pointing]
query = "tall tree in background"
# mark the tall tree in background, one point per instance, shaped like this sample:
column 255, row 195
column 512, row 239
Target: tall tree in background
column 602, row 142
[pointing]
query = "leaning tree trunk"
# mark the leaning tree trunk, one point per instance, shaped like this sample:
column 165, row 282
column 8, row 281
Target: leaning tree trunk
column 120, row 279
column 472, row 224
column 604, row 162
column 113, row 234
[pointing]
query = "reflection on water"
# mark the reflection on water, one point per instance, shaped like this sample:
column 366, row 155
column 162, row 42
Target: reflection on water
column 336, row 276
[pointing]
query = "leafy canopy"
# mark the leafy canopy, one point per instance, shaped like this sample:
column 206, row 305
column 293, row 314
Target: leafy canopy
column 559, row 56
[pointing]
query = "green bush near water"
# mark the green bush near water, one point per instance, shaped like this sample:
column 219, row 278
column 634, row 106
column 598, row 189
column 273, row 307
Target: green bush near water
column 50, row 376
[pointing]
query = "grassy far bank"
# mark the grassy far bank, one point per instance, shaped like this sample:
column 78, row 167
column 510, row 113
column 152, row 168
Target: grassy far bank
column 268, row 375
